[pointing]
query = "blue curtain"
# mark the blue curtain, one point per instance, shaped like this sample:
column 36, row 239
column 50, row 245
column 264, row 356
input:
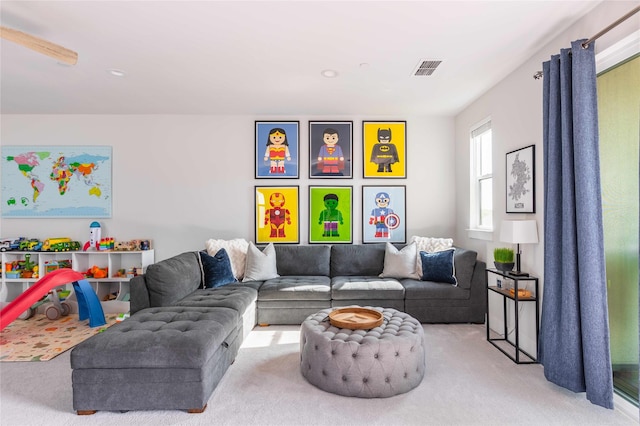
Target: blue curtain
column 574, row 331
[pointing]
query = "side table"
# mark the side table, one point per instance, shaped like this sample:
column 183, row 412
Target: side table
column 506, row 294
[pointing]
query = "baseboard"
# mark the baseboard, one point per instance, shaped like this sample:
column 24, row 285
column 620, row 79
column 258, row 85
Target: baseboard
column 625, row 407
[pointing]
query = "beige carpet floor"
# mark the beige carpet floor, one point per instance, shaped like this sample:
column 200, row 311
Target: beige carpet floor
column 467, row 382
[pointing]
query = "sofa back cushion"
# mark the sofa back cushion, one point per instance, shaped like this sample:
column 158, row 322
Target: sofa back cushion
column 303, row 259
column 465, row 262
column 357, row 259
column 172, row 279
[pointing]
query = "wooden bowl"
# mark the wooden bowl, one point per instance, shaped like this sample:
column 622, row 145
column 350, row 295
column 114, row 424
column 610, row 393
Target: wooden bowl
column 356, row 318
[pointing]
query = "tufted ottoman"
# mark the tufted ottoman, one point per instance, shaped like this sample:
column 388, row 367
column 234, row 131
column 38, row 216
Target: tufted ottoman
column 377, row 363
column 159, row 358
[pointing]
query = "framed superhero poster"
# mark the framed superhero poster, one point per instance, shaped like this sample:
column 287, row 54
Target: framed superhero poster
column 384, row 149
column 276, row 149
column 384, row 216
column 330, row 214
column 330, row 148
column 277, row 214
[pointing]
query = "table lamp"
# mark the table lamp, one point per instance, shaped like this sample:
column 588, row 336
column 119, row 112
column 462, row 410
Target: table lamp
column 519, row 232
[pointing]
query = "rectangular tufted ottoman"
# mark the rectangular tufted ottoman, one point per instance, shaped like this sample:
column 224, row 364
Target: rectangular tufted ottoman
column 159, row 358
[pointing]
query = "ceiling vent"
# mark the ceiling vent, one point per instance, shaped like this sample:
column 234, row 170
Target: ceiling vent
column 426, row 67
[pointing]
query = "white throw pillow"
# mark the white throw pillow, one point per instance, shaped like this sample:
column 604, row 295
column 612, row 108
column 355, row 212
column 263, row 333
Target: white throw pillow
column 237, row 251
column 261, row 265
column 432, row 245
column 400, row 263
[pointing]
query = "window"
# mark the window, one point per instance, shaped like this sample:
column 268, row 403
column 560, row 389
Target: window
column 481, row 178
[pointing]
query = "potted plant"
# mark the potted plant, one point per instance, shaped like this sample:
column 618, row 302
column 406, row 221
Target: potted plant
column 503, row 259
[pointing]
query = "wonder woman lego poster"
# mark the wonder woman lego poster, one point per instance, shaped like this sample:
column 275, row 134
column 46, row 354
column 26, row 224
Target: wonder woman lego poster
column 277, row 149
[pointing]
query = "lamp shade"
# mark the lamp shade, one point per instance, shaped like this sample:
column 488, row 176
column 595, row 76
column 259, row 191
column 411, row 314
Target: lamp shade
column 519, row 231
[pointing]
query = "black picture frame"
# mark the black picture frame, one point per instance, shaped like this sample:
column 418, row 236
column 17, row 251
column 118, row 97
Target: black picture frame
column 330, row 161
column 282, row 164
column 520, row 182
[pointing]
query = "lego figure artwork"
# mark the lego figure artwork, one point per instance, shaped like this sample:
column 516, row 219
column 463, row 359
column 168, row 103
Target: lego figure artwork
column 277, row 150
column 384, row 153
column 330, row 157
column 277, row 216
column 330, row 217
column 383, row 217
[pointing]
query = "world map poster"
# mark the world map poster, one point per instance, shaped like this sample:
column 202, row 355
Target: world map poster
column 56, row 181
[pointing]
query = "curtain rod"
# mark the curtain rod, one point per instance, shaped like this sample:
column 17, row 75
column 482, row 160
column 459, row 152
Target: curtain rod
column 610, row 27
column 538, row 74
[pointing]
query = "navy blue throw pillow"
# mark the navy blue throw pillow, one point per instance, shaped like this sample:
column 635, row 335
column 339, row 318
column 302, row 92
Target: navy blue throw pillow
column 438, row 266
column 217, row 269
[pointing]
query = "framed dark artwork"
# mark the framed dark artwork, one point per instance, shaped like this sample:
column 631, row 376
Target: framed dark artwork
column 520, row 182
column 277, row 149
column 384, row 217
column 330, row 214
column 384, row 149
column 330, row 149
column 277, row 213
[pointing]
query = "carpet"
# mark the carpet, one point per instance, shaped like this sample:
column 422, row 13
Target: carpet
column 41, row 339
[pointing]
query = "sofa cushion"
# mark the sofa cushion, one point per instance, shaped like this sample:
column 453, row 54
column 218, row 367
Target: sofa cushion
column 172, row 279
column 236, row 249
column 171, row 337
column 363, row 259
column 296, row 287
column 216, row 270
column 438, row 266
column 234, row 296
column 303, row 259
column 365, row 287
column 400, row 263
column 260, row 265
column 431, row 244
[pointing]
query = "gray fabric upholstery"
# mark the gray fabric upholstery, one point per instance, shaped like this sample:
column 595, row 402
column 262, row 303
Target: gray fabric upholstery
column 159, row 358
column 416, row 289
column 366, row 287
column 139, row 294
column 173, row 278
column 173, row 337
column 296, row 288
column 464, row 262
column 303, row 260
column 377, row 363
column 232, row 296
column 363, row 259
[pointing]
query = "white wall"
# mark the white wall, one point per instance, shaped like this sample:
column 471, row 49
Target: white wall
column 180, row 180
column 515, row 107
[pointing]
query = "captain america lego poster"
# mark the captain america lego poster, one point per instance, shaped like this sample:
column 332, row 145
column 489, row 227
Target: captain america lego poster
column 383, row 214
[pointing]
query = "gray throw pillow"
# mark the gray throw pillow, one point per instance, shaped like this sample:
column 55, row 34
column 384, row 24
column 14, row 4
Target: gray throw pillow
column 261, row 265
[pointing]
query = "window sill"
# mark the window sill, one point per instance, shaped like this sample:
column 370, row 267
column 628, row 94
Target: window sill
column 480, row 234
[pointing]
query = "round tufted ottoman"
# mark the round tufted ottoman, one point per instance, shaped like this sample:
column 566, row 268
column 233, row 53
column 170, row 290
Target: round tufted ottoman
column 377, row 363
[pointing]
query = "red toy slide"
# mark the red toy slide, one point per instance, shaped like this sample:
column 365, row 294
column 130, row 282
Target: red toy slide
column 39, row 289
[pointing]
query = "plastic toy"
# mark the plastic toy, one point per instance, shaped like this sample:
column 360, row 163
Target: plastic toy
column 88, row 304
column 97, row 272
column 32, row 244
column 94, row 237
column 107, row 243
column 60, row 244
column 52, row 305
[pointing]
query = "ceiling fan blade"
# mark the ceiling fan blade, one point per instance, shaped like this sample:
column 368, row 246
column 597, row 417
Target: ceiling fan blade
column 39, row 45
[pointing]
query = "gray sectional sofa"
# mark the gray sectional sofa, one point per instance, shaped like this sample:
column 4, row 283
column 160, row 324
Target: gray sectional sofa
column 181, row 337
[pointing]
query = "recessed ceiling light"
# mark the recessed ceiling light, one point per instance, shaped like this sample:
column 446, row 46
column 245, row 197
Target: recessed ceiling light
column 115, row 72
column 329, row 73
